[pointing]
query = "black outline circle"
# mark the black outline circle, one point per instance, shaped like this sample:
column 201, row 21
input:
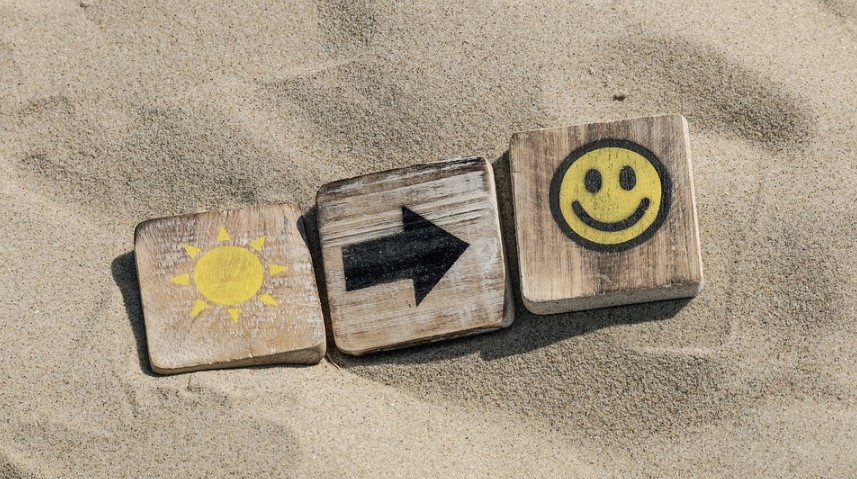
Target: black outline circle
column 666, row 194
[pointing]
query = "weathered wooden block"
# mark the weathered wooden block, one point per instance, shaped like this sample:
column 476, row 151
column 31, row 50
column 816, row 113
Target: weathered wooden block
column 227, row 289
column 605, row 214
column 413, row 255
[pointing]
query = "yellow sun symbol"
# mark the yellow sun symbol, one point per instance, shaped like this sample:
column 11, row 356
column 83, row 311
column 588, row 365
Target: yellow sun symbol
column 228, row 275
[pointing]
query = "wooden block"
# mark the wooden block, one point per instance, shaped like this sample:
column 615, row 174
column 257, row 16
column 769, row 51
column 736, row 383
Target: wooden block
column 413, row 255
column 228, row 289
column 605, row 214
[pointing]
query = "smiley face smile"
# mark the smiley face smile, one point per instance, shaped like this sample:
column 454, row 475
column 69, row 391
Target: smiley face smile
column 610, row 195
column 628, row 222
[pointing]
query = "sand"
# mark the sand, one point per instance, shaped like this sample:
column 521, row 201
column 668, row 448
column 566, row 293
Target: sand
column 113, row 113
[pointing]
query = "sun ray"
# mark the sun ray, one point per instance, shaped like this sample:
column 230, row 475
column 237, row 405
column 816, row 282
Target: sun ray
column 198, row 307
column 268, row 299
column 258, row 243
column 222, row 235
column 234, row 313
column 275, row 269
column 191, row 250
column 182, row 279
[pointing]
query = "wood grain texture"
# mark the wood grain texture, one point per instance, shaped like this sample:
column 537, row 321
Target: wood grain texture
column 559, row 273
column 457, row 196
column 228, row 289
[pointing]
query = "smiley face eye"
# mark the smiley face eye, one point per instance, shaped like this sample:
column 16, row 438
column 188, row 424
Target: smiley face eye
column 627, row 178
column 592, row 181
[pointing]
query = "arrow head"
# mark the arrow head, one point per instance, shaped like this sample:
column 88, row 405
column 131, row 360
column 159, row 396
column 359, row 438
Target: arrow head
column 439, row 251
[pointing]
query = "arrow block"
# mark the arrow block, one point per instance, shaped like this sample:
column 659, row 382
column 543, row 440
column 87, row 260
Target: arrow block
column 228, row 289
column 413, row 255
column 605, row 214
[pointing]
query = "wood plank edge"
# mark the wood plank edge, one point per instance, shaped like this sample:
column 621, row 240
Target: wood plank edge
column 307, row 356
column 145, row 224
column 331, row 188
column 691, row 184
column 679, row 291
column 518, row 135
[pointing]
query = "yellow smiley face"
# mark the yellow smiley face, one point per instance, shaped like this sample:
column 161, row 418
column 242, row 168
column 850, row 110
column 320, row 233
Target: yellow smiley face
column 610, row 195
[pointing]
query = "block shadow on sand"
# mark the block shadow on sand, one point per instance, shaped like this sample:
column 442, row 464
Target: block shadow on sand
column 124, row 270
column 529, row 332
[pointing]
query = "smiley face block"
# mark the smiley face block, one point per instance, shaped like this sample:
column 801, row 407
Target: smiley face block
column 227, row 289
column 605, row 214
column 413, row 255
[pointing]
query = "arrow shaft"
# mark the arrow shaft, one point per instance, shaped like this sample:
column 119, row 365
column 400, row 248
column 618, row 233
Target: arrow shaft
column 382, row 260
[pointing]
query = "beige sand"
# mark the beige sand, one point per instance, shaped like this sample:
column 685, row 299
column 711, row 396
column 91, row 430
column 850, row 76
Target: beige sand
column 112, row 114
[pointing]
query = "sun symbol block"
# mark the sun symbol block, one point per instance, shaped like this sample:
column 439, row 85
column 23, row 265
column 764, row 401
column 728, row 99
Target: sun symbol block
column 228, row 289
column 413, row 255
column 605, row 214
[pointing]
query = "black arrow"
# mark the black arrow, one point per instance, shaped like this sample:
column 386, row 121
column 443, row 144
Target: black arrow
column 422, row 252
